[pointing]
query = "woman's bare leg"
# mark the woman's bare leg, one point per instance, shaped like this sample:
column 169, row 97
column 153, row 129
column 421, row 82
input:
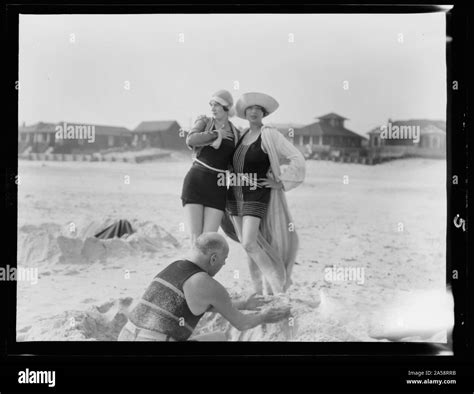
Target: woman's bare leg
column 255, row 273
column 267, row 288
column 275, row 274
column 194, row 219
column 212, row 219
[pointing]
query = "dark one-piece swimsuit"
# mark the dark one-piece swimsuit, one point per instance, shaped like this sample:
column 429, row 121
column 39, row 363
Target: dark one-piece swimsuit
column 204, row 186
column 248, row 200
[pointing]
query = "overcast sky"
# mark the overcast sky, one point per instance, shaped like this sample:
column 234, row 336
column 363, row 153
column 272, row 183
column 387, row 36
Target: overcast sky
column 76, row 67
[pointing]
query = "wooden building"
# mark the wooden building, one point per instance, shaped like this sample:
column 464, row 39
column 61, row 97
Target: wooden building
column 430, row 138
column 67, row 137
column 159, row 134
column 329, row 131
column 36, row 138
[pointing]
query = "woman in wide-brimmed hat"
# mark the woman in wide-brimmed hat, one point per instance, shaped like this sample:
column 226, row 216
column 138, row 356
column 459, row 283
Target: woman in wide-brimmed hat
column 213, row 141
column 259, row 212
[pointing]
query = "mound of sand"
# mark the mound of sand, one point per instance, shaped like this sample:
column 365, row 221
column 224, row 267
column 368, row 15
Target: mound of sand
column 99, row 323
column 38, row 243
column 76, row 244
column 308, row 323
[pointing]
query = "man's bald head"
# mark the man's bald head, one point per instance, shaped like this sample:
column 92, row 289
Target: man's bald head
column 208, row 243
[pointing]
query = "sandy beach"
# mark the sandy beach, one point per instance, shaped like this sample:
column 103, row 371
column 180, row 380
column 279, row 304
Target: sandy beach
column 386, row 221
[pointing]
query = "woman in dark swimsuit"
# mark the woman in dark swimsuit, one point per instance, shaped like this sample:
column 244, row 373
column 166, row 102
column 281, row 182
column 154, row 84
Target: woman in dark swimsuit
column 251, row 160
column 248, row 207
column 204, row 190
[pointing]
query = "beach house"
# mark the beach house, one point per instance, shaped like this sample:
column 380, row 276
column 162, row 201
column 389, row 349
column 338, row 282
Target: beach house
column 414, row 137
column 159, row 134
column 70, row 137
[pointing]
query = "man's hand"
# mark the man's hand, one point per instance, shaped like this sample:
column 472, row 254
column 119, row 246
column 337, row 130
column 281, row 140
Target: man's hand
column 254, row 302
column 276, row 314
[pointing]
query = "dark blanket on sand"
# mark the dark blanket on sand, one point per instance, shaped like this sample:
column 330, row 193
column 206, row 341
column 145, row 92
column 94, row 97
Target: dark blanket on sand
column 116, row 230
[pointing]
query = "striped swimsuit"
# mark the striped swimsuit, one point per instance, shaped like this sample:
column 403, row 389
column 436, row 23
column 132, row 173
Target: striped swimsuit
column 253, row 162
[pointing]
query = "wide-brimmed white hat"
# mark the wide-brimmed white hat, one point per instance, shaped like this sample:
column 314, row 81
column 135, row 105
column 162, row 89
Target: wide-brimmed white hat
column 261, row 99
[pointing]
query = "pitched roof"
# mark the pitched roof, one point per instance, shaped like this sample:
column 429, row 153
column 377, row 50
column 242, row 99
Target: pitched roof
column 331, row 115
column 311, row 129
column 338, row 131
column 105, row 130
column 432, row 129
column 423, row 123
column 154, row 126
column 319, row 128
column 375, row 130
column 42, row 127
column 39, row 127
column 426, row 126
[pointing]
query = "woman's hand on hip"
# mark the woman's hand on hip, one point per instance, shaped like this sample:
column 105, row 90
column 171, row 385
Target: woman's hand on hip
column 268, row 182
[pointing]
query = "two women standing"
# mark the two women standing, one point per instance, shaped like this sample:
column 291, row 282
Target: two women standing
column 256, row 215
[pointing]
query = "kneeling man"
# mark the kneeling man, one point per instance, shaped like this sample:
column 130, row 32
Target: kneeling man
column 178, row 297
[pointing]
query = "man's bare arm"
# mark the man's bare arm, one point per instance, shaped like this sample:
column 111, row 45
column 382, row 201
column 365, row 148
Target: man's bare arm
column 252, row 303
column 218, row 298
column 236, row 303
column 212, row 293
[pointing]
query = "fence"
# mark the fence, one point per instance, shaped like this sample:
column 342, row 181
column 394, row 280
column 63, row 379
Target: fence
column 365, row 155
column 91, row 157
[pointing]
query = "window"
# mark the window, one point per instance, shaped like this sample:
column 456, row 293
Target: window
column 111, row 140
column 305, row 139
